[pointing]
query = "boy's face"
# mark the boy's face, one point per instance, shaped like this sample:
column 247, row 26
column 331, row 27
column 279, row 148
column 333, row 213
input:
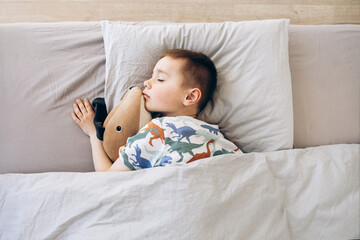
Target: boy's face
column 164, row 91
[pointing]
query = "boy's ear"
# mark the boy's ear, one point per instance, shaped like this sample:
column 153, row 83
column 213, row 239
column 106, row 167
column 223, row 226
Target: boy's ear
column 193, row 96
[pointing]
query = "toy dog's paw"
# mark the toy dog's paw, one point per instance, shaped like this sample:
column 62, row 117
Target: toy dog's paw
column 100, row 116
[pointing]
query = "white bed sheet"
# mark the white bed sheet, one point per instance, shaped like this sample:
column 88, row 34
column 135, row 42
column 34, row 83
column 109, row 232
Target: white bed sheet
column 310, row 193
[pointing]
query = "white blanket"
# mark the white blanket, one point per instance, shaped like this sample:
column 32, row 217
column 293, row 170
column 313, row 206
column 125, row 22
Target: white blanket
column 308, row 193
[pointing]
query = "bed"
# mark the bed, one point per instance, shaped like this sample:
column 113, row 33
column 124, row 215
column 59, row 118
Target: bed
column 288, row 97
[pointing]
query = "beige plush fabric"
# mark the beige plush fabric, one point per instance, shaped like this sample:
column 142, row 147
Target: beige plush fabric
column 325, row 71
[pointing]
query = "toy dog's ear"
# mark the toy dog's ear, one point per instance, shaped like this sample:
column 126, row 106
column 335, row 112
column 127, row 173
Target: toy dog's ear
column 100, row 116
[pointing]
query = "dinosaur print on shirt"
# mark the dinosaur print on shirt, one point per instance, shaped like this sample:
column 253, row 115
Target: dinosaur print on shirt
column 211, row 129
column 171, row 141
column 184, row 132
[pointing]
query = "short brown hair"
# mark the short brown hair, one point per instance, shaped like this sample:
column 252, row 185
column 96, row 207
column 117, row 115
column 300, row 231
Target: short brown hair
column 200, row 70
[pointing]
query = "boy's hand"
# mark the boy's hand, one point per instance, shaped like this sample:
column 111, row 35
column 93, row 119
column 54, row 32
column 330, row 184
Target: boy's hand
column 83, row 115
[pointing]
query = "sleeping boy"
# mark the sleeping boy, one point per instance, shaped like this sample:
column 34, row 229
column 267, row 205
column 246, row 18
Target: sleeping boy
column 182, row 84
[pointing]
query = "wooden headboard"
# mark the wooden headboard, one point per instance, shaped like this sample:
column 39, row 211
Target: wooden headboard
column 299, row 11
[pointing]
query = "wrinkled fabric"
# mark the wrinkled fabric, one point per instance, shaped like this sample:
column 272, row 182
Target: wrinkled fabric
column 305, row 194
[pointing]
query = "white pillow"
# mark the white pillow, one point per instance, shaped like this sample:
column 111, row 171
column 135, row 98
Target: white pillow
column 253, row 100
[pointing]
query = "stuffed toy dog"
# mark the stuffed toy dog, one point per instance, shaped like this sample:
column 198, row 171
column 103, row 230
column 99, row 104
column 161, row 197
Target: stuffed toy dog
column 124, row 121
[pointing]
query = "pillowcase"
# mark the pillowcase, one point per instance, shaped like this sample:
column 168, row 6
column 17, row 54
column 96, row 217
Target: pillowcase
column 253, row 100
column 325, row 69
column 44, row 68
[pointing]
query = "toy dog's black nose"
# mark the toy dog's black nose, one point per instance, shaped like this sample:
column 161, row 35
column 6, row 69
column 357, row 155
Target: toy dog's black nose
column 118, row 128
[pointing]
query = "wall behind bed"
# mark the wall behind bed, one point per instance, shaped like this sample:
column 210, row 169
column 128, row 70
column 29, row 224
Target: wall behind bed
column 299, row 11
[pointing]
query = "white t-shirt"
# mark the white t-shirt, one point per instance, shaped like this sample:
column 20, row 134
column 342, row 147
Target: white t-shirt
column 178, row 140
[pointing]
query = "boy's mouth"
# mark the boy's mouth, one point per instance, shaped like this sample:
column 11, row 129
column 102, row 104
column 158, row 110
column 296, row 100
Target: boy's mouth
column 145, row 95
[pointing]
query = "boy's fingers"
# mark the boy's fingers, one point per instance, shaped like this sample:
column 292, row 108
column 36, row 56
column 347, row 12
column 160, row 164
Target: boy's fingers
column 81, row 105
column 75, row 117
column 77, row 111
column 88, row 105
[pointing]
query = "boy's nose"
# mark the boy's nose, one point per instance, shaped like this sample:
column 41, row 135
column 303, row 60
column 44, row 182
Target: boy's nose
column 147, row 84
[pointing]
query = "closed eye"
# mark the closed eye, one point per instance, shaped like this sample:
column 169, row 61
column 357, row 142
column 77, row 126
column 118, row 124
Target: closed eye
column 160, row 80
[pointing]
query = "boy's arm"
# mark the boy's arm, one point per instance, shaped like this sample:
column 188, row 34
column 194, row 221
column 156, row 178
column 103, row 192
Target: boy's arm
column 83, row 115
column 101, row 160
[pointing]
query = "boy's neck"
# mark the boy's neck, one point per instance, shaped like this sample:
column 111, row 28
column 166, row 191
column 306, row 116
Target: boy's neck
column 192, row 114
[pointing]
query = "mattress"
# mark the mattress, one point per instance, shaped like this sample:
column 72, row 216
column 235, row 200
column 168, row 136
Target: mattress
column 309, row 192
column 44, row 67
